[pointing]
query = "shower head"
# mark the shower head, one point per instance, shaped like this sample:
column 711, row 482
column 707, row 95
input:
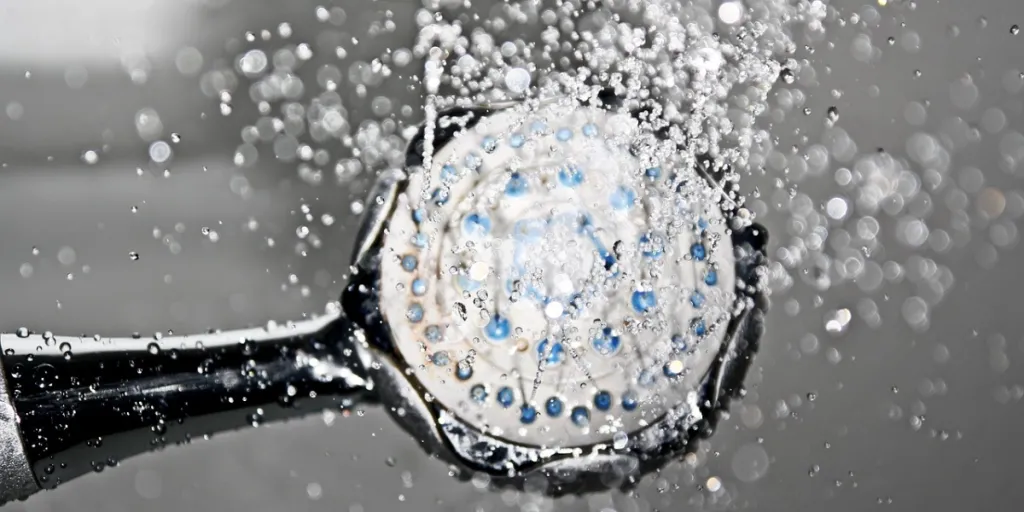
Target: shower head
column 544, row 289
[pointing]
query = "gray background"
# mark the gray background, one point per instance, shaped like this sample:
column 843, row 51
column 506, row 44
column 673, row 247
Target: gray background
column 852, row 448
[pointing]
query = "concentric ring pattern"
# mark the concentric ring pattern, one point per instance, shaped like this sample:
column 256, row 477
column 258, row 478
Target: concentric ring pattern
column 551, row 288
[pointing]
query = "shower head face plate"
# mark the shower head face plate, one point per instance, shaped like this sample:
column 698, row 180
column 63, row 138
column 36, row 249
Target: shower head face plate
column 549, row 285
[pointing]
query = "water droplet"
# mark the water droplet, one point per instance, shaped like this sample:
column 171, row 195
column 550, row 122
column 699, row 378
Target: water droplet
column 619, row 440
column 517, row 80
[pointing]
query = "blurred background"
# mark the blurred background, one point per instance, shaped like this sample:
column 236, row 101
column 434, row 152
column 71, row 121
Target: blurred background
column 132, row 199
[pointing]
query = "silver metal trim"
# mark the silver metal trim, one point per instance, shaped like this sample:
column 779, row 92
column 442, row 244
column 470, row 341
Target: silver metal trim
column 49, row 345
column 381, row 201
column 16, row 478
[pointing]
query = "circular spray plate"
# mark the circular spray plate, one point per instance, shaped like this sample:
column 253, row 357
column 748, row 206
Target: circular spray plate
column 549, row 284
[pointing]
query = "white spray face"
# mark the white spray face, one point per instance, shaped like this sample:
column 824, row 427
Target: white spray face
column 550, row 288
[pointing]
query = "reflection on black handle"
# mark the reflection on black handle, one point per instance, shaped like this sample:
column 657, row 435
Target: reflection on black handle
column 87, row 403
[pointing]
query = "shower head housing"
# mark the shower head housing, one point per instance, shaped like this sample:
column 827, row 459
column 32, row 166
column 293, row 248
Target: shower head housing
column 545, row 290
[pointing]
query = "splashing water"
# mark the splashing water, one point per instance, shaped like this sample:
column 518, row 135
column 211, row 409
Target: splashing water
column 698, row 76
column 677, row 65
column 717, row 80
